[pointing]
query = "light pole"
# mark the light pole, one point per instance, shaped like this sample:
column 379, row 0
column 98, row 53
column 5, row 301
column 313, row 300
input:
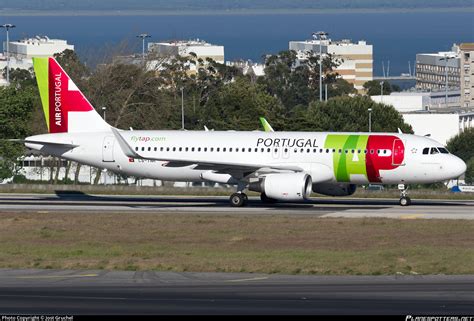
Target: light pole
column 370, row 120
column 103, row 109
column 182, row 108
column 143, row 36
column 322, row 35
column 8, row 26
column 381, row 92
column 446, row 58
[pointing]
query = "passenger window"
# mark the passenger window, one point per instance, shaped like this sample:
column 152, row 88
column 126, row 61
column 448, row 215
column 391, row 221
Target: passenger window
column 268, row 150
column 434, row 150
column 340, row 151
column 249, row 150
column 156, row 148
column 237, row 149
column 262, row 150
column 371, row 151
column 174, row 149
column 199, row 149
column 218, row 149
column 321, row 150
column 426, row 151
column 167, row 149
column 186, row 149
column 192, row 149
column 256, row 150
column 230, row 149
column 136, row 148
column 181, row 149
column 143, row 149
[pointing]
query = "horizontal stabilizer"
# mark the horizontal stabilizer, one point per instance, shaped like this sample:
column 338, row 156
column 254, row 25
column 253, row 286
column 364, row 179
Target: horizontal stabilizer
column 40, row 142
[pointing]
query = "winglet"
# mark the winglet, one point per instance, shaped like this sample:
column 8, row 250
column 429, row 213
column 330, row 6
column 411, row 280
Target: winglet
column 266, row 126
column 400, row 131
column 124, row 146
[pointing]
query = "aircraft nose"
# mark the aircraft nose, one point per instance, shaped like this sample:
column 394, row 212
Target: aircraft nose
column 458, row 166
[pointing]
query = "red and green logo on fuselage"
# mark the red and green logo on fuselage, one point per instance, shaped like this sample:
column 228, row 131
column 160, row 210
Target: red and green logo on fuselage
column 364, row 155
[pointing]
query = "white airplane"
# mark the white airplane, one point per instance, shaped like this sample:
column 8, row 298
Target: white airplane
column 282, row 166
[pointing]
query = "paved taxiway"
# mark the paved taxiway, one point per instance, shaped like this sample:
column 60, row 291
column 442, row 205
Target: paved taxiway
column 320, row 207
column 102, row 292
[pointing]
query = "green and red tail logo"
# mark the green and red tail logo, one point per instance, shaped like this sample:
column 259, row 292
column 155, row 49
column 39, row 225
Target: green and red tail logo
column 59, row 94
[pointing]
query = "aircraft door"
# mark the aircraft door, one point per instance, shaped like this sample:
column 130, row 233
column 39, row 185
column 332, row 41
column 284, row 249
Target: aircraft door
column 398, row 153
column 108, row 149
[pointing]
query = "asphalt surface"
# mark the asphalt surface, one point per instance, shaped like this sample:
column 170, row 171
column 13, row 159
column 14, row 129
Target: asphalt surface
column 102, row 292
column 320, row 207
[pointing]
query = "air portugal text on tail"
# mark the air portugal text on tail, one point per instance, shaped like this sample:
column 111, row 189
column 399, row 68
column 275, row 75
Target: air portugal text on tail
column 281, row 166
column 65, row 107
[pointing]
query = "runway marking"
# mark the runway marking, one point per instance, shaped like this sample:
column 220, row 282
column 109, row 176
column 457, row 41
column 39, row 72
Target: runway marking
column 42, row 212
column 412, row 216
column 57, row 276
column 252, row 279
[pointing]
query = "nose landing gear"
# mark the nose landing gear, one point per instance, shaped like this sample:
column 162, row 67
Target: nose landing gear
column 404, row 199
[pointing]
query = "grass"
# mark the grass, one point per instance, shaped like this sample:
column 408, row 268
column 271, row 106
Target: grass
column 227, row 243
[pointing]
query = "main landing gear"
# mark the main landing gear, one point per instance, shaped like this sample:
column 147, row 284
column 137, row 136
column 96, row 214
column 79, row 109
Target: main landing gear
column 238, row 199
column 404, row 199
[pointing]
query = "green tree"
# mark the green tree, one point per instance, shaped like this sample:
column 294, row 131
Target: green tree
column 347, row 114
column 15, row 110
column 238, row 106
column 373, row 88
column 469, row 175
column 296, row 82
column 462, row 145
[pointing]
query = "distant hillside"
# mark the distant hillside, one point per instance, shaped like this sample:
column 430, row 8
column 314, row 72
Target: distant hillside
column 219, row 5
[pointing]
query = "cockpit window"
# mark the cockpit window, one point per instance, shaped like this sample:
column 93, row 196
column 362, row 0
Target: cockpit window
column 443, row 150
column 434, row 150
column 426, row 151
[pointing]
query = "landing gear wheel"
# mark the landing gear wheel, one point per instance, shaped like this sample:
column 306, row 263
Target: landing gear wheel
column 405, row 201
column 238, row 199
column 264, row 198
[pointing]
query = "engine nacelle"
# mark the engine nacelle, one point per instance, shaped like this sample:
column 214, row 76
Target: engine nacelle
column 334, row 189
column 284, row 187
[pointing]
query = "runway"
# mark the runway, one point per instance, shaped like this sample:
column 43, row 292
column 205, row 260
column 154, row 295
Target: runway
column 102, row 292
column 320, row 207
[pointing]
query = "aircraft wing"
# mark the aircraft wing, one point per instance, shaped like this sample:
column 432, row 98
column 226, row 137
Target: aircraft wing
column 218, row 166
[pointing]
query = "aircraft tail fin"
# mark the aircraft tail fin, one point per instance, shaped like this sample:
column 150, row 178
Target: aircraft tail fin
column 65, row 107
column 266, row 126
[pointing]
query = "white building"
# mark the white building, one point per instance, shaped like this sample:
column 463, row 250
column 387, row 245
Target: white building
column 407, row 101
column 22, row 51
column 184, row 48
column 466, row 54
column 357, row 65
column 37, row 47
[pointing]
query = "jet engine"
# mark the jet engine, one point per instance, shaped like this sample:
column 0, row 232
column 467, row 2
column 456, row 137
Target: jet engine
column 284, row 187
column 334, row 189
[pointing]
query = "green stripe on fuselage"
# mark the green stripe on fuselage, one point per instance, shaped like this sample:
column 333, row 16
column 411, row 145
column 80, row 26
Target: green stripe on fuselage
column 41, row 73
column 347, row 164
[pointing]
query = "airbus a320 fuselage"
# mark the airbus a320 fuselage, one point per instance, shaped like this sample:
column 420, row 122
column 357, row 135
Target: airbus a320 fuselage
column 282, row 166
